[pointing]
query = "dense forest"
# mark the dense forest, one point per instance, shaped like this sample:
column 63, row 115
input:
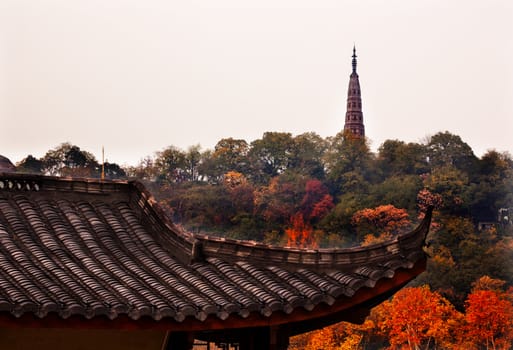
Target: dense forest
column 309, row 191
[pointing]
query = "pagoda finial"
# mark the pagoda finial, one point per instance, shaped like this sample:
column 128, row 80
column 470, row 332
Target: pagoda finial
column 354, row 58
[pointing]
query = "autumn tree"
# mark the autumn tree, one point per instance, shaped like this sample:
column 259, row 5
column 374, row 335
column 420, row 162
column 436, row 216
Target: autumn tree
column 242, row 196
column 300, row 234
column 489, row 315
column 453, row 186
column 384, row 219
column 416, row 318
column 277, row 202
column 316, row 202
column 229, row 155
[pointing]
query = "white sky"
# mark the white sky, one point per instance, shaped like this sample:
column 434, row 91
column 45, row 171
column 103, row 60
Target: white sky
column 139, row 75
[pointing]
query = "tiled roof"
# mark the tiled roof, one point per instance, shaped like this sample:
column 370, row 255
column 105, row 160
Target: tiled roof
column 81, row 247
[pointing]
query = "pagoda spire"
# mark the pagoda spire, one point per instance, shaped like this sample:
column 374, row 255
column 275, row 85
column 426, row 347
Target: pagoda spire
column 354, row 58
column 354, row 115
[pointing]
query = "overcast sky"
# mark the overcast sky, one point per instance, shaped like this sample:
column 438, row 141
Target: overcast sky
column 139, row 75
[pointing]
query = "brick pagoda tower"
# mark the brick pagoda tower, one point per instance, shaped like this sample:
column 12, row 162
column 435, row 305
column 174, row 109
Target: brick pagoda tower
column 354, row 115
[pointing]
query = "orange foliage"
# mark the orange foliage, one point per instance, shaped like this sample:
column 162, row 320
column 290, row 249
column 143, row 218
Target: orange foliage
column 233, row 179
column 300, row 234
column 385, row 218
column 416, row 317
column 489, row 317
column 371, row 239
column 488, row 283
column 426, row 198
column 341, row 336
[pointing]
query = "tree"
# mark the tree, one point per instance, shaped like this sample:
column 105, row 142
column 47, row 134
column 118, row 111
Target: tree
column 171, row 165
column 241, row 194
column 316, row 202
column 445, row 149
column 387, row 191
column 144, row 170
column 300, row 234
column 113, row 171
column 280, row 200
column 399, row 158
column 271, row 155
column 348, row 163
column 69, row 160
column 30, row 164
column 379, row 220
column 494, row 186
column 192, row 159
column 417, row 317
column 489, row 317
column 307, row 155
column 231, row 155
column 453, row 186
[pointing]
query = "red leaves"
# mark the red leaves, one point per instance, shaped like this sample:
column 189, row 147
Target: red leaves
column 300, row 234
column 317, row 202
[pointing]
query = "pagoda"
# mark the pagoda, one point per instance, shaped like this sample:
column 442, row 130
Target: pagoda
column 354, row 115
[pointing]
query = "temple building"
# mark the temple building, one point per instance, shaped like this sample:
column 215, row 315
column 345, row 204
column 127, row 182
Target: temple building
column 354, row 115
column 92, row 264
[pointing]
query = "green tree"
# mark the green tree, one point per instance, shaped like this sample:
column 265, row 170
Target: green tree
column 445, row 149
column 307, row 155
column 397, row 158
column 171, row 165
column 114, row 171
column 270, row 156
column 348, row 161
column 387, row 191
column 69, row 160
column 192, row 159
column 30, row 164
column 454, row 187
column 231, row 155
column 494, row 186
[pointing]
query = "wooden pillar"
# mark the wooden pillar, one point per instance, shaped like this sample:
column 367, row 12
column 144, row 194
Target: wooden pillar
column 179, row 341
column 266, row 338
